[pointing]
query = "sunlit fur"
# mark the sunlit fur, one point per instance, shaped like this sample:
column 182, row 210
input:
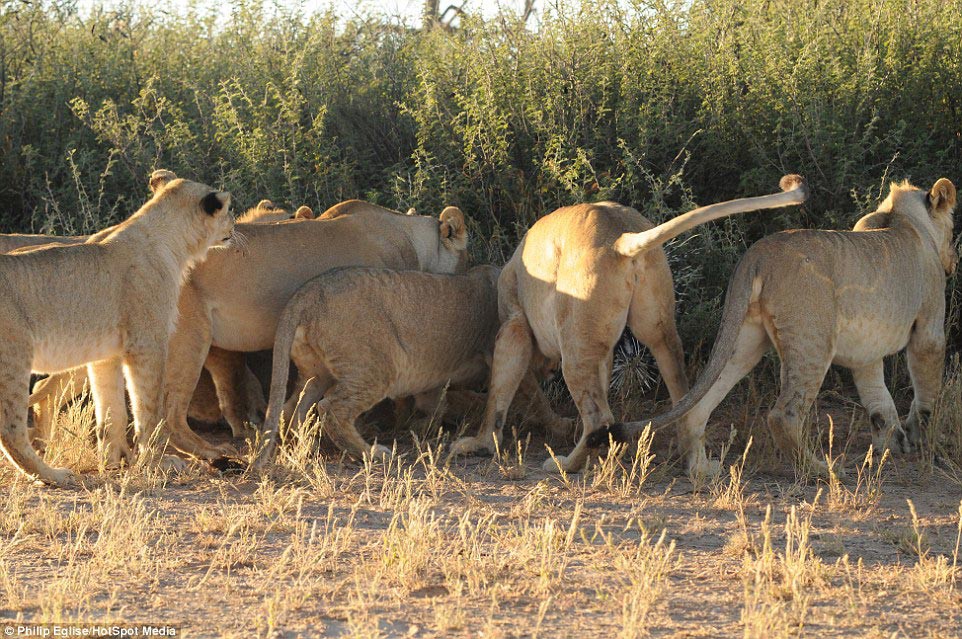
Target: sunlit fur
column 111, row 300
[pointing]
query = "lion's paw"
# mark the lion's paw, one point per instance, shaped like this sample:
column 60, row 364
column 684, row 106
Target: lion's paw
column 117, row 456
column 563, row 427
column 225, row 450
column 472, row 446
column 704, row 470
column 380, row 453
column 247, row 430
column 556, row 464
column 61, row 478
column 172, row 464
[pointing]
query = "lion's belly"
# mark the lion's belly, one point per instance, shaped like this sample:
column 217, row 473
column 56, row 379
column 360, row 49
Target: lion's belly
column 863, row 340
column 421, row 377
column 59, row 352
column 243, row 330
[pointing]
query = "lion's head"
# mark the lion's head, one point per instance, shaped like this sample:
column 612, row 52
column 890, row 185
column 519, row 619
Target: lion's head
column 931, row 211
column 207, row 219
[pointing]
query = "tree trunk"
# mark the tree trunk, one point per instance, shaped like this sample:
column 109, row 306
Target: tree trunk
column 429, row 16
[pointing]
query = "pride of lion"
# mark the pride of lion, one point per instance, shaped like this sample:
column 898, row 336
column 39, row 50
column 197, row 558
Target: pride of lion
column 365, row 304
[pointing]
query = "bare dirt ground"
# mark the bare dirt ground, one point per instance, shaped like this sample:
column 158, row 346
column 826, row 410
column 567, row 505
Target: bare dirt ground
column 493, row 547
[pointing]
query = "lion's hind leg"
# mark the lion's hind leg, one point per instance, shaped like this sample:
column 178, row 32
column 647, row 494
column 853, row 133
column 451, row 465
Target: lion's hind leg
column 586, row 367
column 803, row 368
column 750, row 346
column 308, row 392
column 343, row 403
column 513, row 350
column 651, row 318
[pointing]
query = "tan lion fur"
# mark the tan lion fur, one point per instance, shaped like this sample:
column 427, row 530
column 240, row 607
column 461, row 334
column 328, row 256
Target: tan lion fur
column 578, row 277
column 358, row 336
column 208, row 403
column 234, row 299
column 848, row 298
column 52, row 322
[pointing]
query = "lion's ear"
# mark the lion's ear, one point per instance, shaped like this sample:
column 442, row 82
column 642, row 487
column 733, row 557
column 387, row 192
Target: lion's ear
column 942, row 196
column 304, row 213
column 159, row 178
column 213, row 202
column 454, row 232
column 265, row 205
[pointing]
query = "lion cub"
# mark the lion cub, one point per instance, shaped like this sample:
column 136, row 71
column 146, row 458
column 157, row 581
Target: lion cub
column 360, row 335
column 110, row 301
column 848, row 298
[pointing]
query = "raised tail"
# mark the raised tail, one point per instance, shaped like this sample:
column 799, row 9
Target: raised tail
column 795, row 191
column 738, row 297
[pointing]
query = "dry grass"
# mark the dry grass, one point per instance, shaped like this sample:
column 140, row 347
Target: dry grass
column 420, row 547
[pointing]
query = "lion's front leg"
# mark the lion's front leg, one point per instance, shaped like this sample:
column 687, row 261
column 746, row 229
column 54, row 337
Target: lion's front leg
column 49, row 396
column 110, row 406
column 189, row 345
column 886, row 430
column 144, row 367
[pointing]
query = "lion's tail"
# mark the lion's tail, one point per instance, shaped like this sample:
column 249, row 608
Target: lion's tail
column 738, row 298
column 795, row 191
column 280, row 370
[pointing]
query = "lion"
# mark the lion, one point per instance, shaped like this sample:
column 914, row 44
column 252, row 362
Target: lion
column 50, row 394
column 266, row 211
column 848, row 298
column 233, row 300
column 357, row 336
column 112, row 302
column 578, row 277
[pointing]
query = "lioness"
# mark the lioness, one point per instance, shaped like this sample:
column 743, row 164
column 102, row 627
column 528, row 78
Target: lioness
column 233, row 300
column 832, row 297
column 108, row 302
column 50, row 394
column 578, row 276
column 358, row 335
